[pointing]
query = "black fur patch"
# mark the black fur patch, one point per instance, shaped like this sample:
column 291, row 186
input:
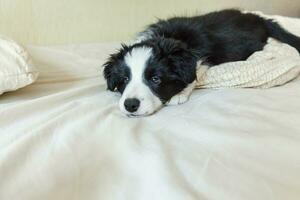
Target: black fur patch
column 115, row 70
column 173, row 63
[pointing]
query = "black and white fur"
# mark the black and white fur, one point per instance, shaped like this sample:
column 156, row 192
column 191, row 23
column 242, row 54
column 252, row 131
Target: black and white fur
column 160, row 68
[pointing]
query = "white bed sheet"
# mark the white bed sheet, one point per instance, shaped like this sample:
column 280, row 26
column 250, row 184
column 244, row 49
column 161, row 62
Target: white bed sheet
column 65, row 138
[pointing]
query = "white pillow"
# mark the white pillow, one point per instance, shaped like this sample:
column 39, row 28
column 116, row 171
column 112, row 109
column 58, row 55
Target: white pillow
column 16, row 68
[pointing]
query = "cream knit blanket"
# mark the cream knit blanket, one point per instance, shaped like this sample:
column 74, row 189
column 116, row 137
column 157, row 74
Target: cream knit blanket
column 275, row 65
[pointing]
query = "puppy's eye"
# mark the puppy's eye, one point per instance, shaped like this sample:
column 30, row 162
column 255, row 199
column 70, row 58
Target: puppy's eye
column 155, row 80
column 126, row 79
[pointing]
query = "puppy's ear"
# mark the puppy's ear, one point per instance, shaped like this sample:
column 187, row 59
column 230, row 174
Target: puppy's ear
column 181, row 59
column 110, row 72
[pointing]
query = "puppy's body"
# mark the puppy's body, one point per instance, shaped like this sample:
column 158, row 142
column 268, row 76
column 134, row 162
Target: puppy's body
column 167, row 52
column 221, row 37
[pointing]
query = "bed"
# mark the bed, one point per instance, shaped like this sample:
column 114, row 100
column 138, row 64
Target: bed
column 64, row 138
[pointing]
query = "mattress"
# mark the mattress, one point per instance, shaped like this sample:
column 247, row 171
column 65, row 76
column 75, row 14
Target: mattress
column 65, row 138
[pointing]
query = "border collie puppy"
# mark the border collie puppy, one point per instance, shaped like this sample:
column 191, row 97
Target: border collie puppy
column 160, row 68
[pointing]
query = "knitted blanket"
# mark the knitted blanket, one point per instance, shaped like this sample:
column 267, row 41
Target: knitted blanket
column 277, row 64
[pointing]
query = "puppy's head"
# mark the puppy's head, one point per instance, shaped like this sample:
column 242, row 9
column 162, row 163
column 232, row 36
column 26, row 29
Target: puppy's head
column 148, row 74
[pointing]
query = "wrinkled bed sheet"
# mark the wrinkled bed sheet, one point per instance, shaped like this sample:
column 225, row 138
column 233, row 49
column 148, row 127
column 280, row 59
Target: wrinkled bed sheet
column 65, row 138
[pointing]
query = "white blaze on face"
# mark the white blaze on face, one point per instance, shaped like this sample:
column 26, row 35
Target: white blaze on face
column 136, row 60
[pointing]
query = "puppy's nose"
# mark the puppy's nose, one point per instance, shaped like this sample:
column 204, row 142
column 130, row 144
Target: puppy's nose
column 132, row 105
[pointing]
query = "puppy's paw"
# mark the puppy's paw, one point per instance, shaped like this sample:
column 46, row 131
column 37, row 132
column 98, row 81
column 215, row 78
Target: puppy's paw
column 178, row 99
column 183, row 96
